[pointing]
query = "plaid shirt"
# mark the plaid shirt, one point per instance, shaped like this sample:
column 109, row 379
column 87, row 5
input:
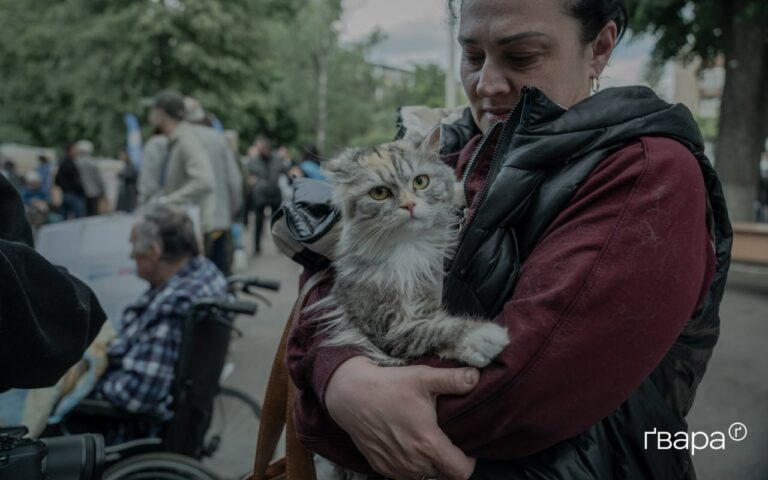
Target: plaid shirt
column 143, row 356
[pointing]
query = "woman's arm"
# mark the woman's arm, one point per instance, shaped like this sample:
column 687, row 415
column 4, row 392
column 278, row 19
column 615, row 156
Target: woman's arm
column 598, row 303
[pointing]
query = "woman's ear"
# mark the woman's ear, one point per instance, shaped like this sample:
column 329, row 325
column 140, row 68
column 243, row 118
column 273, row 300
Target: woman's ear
column 602, row 47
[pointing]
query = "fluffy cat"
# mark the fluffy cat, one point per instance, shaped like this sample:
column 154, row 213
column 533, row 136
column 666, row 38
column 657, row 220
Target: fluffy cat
column 400, row 213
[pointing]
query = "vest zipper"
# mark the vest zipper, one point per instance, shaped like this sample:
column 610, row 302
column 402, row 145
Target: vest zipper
column 494, row 162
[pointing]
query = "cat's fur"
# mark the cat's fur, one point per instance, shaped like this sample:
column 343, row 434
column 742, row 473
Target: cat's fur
column 387, row 294
column 389, row 263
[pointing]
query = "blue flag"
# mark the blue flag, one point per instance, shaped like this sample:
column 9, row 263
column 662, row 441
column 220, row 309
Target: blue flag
column 133, row 139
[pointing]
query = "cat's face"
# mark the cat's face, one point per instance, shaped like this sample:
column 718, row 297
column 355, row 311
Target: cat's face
column 393, row 187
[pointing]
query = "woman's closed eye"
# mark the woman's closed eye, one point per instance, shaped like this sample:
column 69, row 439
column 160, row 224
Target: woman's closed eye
column 474, row 60
column 523, row 60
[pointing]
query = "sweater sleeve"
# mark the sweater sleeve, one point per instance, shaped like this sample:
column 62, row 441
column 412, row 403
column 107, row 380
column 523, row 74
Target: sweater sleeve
column 598, row 303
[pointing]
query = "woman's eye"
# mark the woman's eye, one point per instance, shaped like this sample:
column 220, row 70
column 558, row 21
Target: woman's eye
column 523, row 61
column 474, row 60
column 380, row 193
column 421, row 182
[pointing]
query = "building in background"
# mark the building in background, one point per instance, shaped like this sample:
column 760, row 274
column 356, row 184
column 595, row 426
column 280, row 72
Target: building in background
column 701, row 90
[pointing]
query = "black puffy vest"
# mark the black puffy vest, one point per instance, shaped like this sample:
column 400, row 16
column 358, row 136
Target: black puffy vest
column 542, row 155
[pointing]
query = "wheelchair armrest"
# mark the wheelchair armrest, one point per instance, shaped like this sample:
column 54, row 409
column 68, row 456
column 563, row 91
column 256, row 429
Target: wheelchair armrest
column 101, row 408
column 226, row 306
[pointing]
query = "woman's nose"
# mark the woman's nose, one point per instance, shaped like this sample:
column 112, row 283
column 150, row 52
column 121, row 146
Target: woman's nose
column 492, row 81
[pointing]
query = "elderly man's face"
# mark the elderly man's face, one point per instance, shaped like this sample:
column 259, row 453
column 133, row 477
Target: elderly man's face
column 147, row 262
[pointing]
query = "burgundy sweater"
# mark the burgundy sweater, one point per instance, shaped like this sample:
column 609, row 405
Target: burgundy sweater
column 598, row 303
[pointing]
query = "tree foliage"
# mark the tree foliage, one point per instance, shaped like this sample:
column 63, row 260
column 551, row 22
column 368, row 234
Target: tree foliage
column 72, row 68
column 737, row 30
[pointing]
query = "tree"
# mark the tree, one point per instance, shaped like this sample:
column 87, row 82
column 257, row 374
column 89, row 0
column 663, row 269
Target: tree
column 738, row 30
column 75, row 66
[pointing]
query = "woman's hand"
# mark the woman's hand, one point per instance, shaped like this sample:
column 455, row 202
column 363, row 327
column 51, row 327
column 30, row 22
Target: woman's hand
column 390, row 415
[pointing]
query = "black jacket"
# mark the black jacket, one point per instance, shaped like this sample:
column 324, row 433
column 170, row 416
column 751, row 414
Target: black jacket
column 546, row 152
column 68, row 177
column 47, row 317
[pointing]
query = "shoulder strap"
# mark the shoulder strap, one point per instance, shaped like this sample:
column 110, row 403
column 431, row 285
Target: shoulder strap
column 277, row 412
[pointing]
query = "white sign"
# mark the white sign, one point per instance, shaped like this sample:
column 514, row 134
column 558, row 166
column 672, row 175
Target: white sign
column 96, row 250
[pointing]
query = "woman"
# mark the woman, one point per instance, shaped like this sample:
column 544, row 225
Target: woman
column 596, row 233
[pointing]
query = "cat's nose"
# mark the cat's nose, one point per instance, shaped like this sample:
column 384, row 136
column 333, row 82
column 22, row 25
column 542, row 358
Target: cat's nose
column 409, row 206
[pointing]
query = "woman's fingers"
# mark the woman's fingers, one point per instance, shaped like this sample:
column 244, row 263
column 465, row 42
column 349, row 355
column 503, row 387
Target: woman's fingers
column 390, row 415
column 449, row 461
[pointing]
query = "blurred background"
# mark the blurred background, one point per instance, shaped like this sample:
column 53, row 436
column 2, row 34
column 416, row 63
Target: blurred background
column 331, row 74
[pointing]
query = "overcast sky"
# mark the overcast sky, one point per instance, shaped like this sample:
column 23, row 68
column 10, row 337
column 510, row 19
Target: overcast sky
column 416, row 32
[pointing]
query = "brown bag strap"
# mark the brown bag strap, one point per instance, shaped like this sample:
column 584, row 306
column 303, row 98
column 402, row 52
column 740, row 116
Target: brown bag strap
column 277, row 409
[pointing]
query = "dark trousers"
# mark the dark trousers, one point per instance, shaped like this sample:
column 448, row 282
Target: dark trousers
column 72, row 204
column 217, row 248
column 258, row 229
column 92, row 206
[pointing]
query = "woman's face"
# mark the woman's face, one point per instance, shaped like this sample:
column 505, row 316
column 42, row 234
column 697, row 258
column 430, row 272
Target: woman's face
column 509, row 44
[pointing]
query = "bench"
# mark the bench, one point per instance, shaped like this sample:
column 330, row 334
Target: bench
column 750, row 243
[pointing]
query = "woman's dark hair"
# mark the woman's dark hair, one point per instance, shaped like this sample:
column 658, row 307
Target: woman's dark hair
column 593, row 15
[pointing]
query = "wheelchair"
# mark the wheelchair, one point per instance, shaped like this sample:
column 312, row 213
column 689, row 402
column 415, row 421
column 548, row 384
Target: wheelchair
column 177, row 452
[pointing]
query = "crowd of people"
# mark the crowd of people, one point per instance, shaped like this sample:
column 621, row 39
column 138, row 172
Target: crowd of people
column 186, row 161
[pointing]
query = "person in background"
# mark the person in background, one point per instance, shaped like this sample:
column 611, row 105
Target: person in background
column 264, row 170
column 90, row 175
column 310, row 165
column 228, row 186
column 142, row 358
column 128, row 194
column 36, row 200
column 185, row 172
column 8, row 170
column 44, row 168
column 155, row 151
column 68, row 180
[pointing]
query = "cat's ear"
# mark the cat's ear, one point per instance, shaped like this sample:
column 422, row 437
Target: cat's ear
column 338, row 168
column 430, row 145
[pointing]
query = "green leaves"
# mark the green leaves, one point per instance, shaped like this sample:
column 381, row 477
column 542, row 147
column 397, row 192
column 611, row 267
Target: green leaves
column 72, row 68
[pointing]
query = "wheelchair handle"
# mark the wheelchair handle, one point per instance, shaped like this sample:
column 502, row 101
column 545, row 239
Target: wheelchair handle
column 226, row 306
column 252, row 281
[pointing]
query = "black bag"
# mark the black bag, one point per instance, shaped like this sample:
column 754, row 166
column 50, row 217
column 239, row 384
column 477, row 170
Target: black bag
column 306, row 227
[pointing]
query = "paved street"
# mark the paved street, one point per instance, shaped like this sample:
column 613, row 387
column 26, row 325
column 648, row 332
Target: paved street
column 735, row 388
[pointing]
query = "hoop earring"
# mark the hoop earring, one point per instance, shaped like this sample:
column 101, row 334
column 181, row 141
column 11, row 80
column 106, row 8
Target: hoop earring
column 595, row 84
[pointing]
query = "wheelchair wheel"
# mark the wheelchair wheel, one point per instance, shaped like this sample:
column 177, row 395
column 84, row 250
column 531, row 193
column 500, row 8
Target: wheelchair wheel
column 231, row 437
column 159, row 466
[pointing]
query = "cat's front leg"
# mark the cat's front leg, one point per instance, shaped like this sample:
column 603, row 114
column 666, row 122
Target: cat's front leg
column 469, row 341
column 480, row 344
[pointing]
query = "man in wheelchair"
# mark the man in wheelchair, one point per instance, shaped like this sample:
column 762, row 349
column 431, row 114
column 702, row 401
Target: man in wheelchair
column 142, row 359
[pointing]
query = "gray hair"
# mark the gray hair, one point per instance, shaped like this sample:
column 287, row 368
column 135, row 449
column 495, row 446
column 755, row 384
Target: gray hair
column 170, row 228
column 85, row 147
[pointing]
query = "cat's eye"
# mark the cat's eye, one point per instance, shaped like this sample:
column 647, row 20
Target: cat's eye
column 421, row 182
column 380, row 193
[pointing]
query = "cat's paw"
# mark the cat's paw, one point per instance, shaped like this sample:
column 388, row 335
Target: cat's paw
column 391, row 362
column 482, row 344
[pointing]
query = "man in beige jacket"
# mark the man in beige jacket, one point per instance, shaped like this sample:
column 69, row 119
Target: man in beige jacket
column 186, row 174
